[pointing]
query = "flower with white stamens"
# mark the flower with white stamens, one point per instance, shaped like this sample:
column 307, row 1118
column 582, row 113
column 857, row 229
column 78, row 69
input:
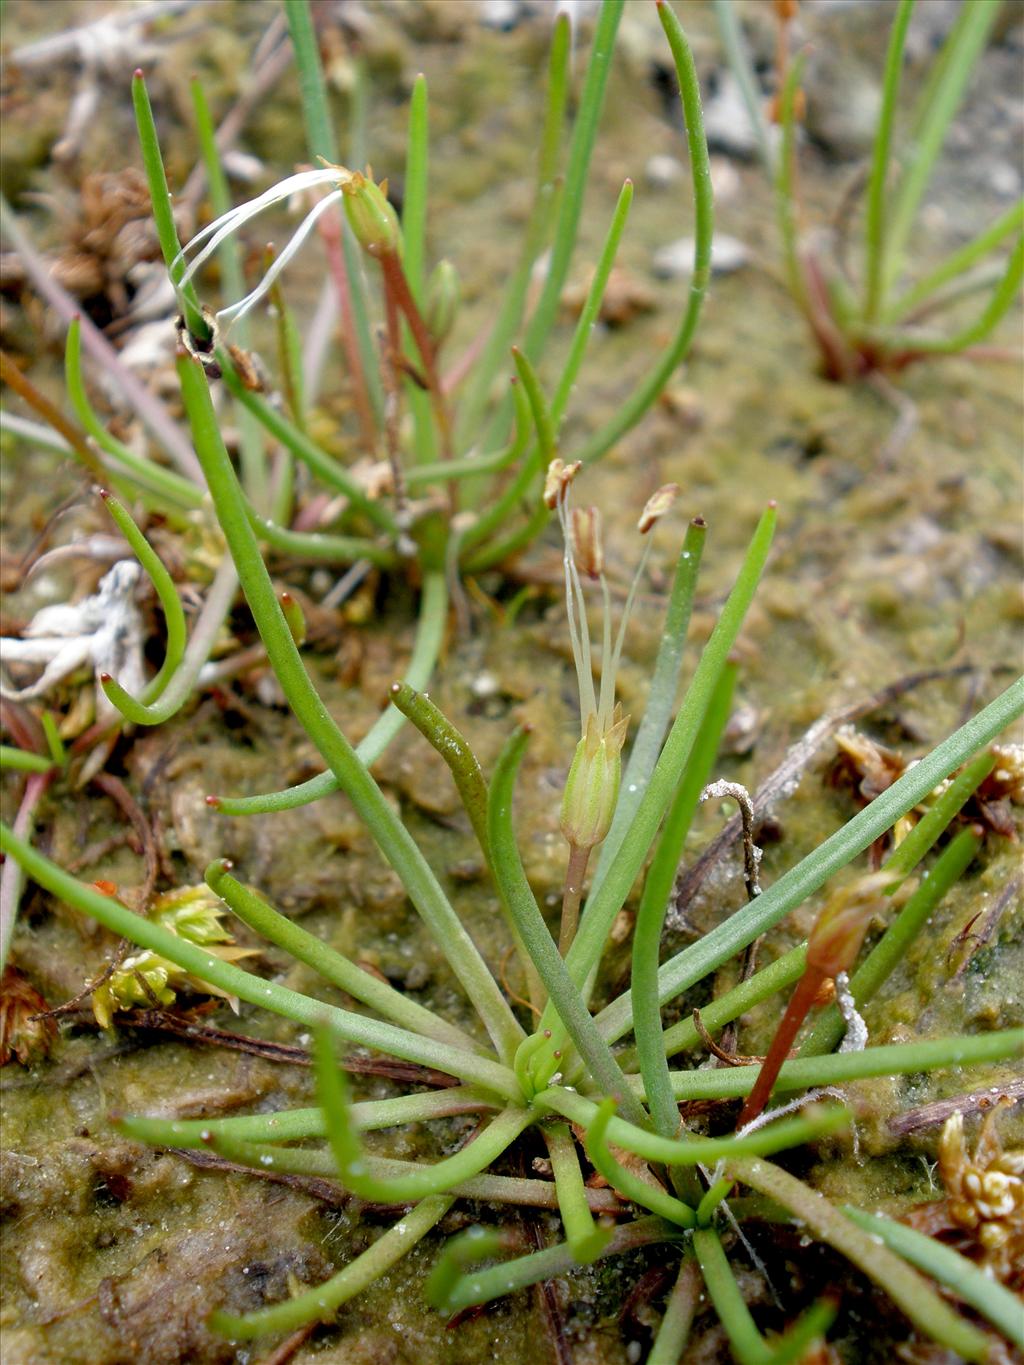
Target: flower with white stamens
column 370, row 215
column 592, row 787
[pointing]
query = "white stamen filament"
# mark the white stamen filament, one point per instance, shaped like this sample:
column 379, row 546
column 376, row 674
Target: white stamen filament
column 601, row 705
column 607, row 703
column 239, row 309
column 579, row 631
column 222, row 228
column 620, row 638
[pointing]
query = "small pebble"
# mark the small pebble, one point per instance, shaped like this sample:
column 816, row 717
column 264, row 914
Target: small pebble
column 1005, row 180
column 676, row 259
column 485, row 685
column 662, row 171
column 242, row 166
column 500, row 14
column 727, row 122
column 725, row 179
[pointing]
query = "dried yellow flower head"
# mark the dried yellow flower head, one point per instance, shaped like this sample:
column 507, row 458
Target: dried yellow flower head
column 985, row 1192
column 145, row 978
column 26, row 1029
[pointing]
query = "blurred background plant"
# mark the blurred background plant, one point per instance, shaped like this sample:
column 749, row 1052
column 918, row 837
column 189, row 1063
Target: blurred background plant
column 887, row 318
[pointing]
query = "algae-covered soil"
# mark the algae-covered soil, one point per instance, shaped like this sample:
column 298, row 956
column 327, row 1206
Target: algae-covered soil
column 897, row 561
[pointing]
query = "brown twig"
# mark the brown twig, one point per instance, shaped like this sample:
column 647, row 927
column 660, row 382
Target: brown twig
column 748, row 965
column 136, row 395
column 396, row 286
column 23, row 727
column 389, row 345
column 100, row 849
column 506, row 985
column 977, row 1102
column 281, row 1354
column 324, row 1190
column 184, row 1026
column 63, row 426
column 729, row 1058
column 121, row 952
column 122, row 797
column 11, row 876
column 735, row 791
column 989, row 919
column 545, row 1293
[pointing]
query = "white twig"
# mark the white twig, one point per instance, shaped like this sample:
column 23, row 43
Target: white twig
column 109, row 30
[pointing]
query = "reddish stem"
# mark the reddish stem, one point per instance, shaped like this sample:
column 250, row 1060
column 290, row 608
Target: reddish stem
column 397, row 286
column 839, row 364
column 392, row 395
column 330, row 231
column 75, row 437
column 11, row 877
column 24, row 729
column 461, row 367
column 800, row 1003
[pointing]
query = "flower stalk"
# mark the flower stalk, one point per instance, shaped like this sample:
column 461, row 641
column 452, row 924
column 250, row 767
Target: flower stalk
column 592, row 786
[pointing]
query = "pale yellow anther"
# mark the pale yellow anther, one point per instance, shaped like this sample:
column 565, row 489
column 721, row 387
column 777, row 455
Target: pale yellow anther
column 656, row 506
column 587, row 541
column 557, row 479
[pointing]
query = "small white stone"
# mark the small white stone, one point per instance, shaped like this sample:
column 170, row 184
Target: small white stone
column 484, row 685
column 499, row 14
column 1005, row 180
column 725, row 179
column 242, row 165
column 662, row 171
column 675, row 260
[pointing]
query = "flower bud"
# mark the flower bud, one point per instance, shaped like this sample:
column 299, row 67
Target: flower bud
column 592, row 787
column 839, row 930
column 442, row 302
column 143, row 979
column 370, row 216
